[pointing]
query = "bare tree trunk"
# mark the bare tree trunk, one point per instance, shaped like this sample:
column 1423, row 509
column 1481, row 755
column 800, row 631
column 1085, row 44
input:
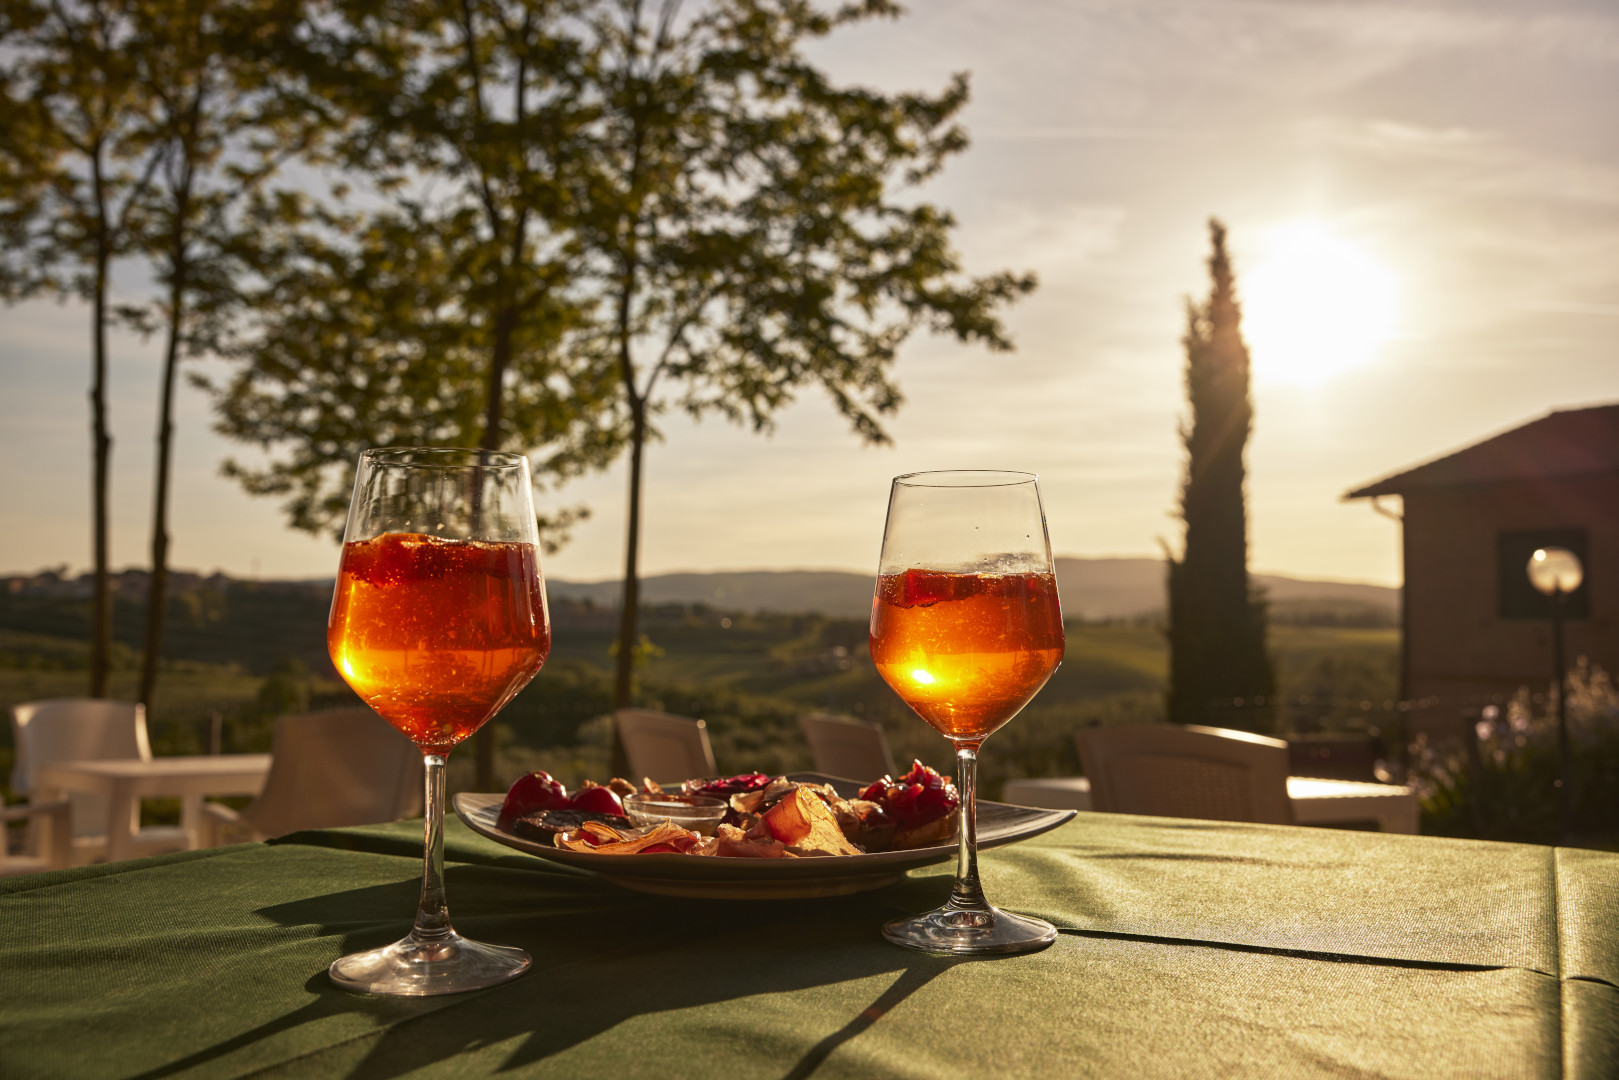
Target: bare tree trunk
column 483, row 743
column 629, row 612
column 630, row 598
column 500, row 360
column 101, row 444
column 157, row 593
column 628, row 627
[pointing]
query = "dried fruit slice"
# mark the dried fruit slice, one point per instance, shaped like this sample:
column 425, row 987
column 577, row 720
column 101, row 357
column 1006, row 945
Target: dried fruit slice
column 865, row 824
column 545, row 826
column 731, row 842
column 807, row 826
column 606, row 840
column 757, row 799
column 725, row 787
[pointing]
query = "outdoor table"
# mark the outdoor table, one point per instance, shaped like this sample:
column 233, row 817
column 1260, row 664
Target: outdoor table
column 1315, row 801
column 126, row 781
column 1187, row 949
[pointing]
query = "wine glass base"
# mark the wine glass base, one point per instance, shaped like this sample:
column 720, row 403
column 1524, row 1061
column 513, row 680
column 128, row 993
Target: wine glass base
column 959, row 931
column 418, row 967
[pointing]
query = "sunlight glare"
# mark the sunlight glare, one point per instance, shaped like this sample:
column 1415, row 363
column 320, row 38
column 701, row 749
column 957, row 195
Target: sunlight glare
column 1317, row 306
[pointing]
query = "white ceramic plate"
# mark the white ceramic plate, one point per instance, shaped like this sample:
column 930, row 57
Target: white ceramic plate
column 765, row 879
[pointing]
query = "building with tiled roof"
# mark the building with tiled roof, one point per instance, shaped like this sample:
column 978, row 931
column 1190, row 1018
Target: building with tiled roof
column 1472, row 626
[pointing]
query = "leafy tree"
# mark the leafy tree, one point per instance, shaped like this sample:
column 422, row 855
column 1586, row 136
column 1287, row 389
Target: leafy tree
column 605, row 211
column 285, row 689
column 743, row 231
column 472, row 98
column 220, row 127
column 1216, row 619
column 25, row 156
column 74, row 166
column 362, row 337
column 460, row 117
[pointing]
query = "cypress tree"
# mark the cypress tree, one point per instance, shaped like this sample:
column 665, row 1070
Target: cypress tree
column 1216, row 620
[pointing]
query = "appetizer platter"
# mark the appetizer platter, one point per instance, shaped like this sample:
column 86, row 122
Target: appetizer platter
column 800, row 835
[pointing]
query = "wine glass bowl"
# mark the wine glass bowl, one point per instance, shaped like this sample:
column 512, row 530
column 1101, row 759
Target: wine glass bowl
column 966, row 627
column 438, row 620
column 437, row 635
column 940, row 640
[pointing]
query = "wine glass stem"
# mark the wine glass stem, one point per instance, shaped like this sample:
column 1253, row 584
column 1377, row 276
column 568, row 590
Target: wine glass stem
column 967, row 895
column 433, row 913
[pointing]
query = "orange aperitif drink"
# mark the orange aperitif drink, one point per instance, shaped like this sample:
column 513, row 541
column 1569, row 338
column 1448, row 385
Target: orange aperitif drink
column 437, row 635
column 966, row 651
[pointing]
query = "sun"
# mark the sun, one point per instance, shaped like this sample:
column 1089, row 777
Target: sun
column 1317, row 306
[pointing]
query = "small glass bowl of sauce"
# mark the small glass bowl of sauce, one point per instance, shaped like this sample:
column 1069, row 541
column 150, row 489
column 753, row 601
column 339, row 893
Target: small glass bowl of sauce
column 699, row 813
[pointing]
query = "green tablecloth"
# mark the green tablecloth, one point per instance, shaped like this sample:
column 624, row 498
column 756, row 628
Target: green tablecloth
column 1188, row 949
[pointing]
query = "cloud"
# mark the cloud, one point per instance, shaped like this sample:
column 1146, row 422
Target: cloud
column 1055, row 242
column 1285, row 48
column 1489, row 162
column 1060, row 133
column 1393, row 138
column 1564, row 307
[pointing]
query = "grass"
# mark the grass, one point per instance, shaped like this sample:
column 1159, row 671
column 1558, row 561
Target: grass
column 245, row 652
column 748, row 676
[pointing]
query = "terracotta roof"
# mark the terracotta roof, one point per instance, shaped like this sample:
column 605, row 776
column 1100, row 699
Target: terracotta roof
column 1569, row 442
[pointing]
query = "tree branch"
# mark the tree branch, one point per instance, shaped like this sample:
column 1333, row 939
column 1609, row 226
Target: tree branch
column 470, row 41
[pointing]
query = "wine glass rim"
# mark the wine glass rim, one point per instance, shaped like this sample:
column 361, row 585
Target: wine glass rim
column 400, row 457
column 966, row 478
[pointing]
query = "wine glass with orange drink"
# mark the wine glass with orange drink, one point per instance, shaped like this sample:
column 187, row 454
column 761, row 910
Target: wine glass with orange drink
column 438, row 620
column 966, row 628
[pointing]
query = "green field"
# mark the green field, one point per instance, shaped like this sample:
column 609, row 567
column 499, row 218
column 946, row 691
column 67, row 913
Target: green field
column 250, row 653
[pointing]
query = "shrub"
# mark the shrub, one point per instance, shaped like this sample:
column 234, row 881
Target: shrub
column 1502, row 785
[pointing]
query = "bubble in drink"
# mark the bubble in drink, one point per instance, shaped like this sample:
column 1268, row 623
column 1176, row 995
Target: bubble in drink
column 437, row 635
column 966, row 651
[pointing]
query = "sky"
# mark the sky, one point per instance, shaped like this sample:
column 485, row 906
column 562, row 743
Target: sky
column 1423, row 205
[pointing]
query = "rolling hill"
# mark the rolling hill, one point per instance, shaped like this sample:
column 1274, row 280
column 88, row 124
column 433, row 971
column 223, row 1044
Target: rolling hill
column 1091, row 589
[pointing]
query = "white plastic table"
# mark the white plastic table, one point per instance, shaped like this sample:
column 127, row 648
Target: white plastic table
column 1315, row 801
column 126, row 781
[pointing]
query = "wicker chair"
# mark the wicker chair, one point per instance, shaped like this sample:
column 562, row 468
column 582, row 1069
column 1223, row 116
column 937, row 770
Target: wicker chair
column 664, row 747
column 852, row 749
column 1167, row 770
column 329, row 768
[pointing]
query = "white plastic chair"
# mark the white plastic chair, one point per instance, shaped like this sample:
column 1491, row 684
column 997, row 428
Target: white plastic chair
column 329, row 768
column 83, row 729
column 1167, row 770
column 849, row 748
column 663, row 747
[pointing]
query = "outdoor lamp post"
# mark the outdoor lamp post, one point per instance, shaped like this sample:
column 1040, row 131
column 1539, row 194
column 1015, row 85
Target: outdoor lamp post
column 1555, row 572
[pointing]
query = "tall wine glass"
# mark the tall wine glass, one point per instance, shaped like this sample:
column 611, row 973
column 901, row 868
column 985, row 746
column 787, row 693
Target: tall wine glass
column 439, row 619
column 966, row 628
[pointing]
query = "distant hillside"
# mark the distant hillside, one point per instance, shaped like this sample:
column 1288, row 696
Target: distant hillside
column 1091, row 589
column 1121, row 588
column 828, row 592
